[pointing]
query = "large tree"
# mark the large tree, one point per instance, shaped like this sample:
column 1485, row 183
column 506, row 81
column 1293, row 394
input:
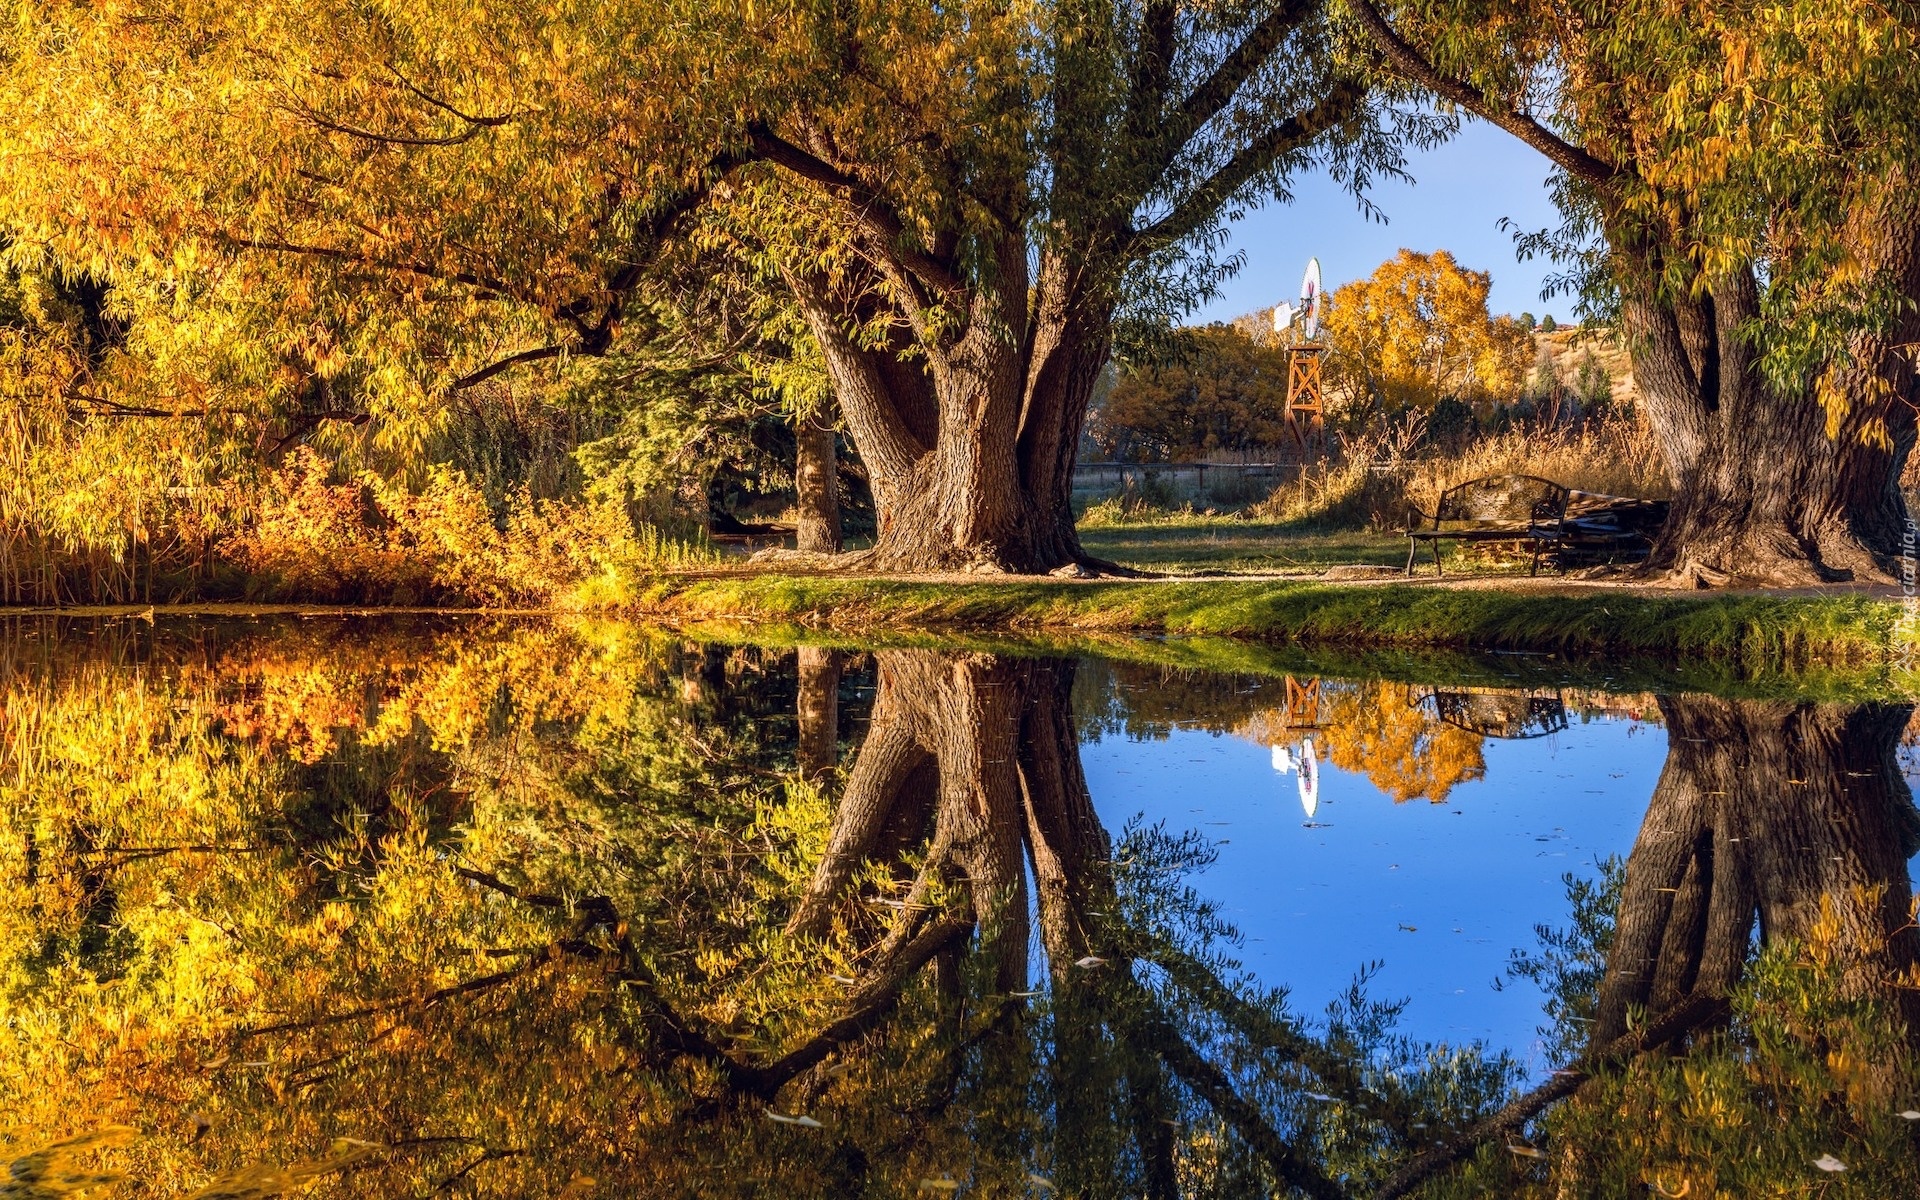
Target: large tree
column 1739, row 179
column 960, row 199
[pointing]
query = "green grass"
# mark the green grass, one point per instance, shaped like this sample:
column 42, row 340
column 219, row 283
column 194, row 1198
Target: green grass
column 1729, row 636
column 1185, row 545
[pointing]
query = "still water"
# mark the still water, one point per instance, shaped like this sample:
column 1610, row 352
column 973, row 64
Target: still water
column 404, row 907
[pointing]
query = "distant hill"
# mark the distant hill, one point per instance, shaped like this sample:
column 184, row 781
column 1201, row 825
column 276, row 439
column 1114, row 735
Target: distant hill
column 1568, row 350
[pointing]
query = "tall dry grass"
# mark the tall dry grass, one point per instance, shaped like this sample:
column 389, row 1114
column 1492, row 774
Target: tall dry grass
column 1376, row 481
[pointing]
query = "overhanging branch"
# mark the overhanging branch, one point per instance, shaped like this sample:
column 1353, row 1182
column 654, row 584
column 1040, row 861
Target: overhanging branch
column 1575, row 160
column 510, row 361
column 867, row 206
column 1340, row 103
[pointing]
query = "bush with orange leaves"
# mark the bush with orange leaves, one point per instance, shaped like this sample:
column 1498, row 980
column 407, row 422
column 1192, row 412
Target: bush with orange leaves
column 373, row 542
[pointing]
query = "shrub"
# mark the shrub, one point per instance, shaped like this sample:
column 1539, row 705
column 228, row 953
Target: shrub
column 375, row 542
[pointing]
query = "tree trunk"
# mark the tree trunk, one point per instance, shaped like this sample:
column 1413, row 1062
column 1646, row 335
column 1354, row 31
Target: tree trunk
column 970, row 446
column 1772, row 812
column 816, row 481
column 1779, row 487
column 819, row 712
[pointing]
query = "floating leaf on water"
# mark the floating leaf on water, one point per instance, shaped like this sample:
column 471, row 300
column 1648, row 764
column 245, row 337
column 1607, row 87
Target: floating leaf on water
column 1827, row 1162
column 946, row 1183
column 803, row 1122
column 1524, row 1150
column 1091, row 960
column 1040, row 1181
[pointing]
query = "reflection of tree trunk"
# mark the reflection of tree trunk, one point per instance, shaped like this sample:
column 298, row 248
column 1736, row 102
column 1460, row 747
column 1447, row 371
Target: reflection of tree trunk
column 980, row 750
column 819, row 711
column 1765, row 810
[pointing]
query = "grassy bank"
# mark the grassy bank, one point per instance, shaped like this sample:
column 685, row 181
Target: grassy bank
column 1737, row 633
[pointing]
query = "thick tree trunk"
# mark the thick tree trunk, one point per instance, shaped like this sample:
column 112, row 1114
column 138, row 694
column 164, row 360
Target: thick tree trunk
column 970, row 446
column 816, row 481
column 1766, row 812
column 1779, row 487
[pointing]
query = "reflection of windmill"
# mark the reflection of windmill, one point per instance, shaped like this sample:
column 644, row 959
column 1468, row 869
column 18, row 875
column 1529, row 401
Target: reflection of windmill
column 1512, row 714
column 1303, row 704
column 1304, row 405
column 1303, row 713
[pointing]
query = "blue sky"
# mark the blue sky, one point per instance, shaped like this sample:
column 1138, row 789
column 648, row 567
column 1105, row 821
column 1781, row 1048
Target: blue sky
column 1461, row 191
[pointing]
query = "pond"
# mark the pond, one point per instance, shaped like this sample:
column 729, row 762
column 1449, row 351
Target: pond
column 419, row 906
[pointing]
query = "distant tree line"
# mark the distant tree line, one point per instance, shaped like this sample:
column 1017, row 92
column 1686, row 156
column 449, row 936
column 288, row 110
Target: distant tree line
column 1415, row 340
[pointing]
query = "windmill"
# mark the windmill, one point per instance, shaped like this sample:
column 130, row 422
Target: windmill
column 1303, row 358
column 1300, row 759
column 1303, row 717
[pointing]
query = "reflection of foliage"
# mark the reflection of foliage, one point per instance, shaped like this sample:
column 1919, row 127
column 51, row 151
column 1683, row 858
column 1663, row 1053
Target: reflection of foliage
column 502, row 909
column 1381, row 730
column 506, row 910
column 1807, row 1071
column 1355, row 1091
column 1570, row 962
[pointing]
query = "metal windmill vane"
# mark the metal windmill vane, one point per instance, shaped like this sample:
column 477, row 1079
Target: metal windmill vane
column 1307, row 312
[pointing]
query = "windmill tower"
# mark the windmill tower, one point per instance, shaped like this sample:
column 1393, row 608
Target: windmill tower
column 1304, row 399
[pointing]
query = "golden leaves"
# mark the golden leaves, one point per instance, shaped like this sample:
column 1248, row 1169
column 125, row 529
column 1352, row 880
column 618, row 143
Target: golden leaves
column 1417, row 331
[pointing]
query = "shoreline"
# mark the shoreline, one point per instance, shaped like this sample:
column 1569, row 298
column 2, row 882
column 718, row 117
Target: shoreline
column 1502, row 614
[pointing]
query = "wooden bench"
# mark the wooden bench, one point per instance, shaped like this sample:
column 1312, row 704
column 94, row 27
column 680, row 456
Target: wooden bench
column 1499, row 508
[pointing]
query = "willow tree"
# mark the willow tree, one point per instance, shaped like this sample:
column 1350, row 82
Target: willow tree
column 961, row 199
column 1739, row 177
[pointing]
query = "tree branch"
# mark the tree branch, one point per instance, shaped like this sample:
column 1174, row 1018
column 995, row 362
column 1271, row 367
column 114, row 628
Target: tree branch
column 1213, row 1086
column 509, row 362
column 1152, row 68
column 1683, row 1018
column 488, row 287
column 1218, row 89
column 869, row 208
column 113, row 408
column 1575, row 160
column 1340, row 102
column 385, row 139
column 442, row 105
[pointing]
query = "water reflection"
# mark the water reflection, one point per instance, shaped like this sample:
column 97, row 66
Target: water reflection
column 523, row 911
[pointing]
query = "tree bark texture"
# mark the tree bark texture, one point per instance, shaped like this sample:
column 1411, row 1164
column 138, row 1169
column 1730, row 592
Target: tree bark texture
column 818, row 711
column 1767, row 815
column 970, row 445
column 971, row 765
column 816, row 484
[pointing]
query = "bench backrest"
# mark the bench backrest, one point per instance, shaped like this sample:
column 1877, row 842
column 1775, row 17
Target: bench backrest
column 1506, row 498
